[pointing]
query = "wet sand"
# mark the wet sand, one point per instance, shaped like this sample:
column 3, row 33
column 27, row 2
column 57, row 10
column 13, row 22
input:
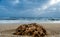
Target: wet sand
column 53, row 29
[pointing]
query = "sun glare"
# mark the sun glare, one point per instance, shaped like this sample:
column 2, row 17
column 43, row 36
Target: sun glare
column 54, row 2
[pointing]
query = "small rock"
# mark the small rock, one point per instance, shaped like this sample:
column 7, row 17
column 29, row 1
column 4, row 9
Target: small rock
column 32, row 29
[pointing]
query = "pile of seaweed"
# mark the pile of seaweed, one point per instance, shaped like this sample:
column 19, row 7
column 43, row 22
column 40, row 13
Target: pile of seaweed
column 33, row 29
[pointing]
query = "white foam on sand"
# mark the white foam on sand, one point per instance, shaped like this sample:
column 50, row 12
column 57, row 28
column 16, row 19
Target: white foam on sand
column 55, row 22
column 27, row 21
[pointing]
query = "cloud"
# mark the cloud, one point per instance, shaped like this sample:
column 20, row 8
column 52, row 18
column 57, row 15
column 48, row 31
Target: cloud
column 15, row 2
column 54, row 2
column 51, row 2
column 3, row 8
column 51, row 11
column 46, row 8
column 21, row 7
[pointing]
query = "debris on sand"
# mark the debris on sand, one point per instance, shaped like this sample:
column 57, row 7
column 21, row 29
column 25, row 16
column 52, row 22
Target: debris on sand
column 32, row 29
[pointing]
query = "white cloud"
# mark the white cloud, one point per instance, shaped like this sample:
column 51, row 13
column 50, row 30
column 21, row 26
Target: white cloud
column 15, row 2
column 52, row 2
column 3, row 8
column 42, row 9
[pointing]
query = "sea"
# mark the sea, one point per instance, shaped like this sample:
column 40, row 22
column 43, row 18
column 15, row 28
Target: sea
column 30, row 20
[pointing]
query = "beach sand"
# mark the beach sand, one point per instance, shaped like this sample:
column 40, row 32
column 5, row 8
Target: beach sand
column 6, row 29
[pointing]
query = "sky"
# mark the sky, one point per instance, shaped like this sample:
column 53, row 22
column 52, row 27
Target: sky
column 29, row 8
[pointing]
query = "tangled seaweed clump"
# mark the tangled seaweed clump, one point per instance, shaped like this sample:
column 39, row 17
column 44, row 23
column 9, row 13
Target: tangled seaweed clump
column 32, row 29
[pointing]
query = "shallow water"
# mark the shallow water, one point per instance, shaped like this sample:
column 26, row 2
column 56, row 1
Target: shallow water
column 27, row 21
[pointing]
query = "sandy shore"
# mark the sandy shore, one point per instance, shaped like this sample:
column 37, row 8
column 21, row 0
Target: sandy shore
column 53, row 29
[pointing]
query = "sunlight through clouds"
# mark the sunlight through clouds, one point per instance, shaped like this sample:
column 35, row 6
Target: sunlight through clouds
column 46, row 8
column 54, row 2
column 31, row 7
column 51, row 2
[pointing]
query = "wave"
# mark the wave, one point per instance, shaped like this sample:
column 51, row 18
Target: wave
column 30, row 20
column 27, row 21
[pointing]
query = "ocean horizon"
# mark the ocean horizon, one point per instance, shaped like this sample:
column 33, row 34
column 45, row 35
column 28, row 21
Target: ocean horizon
column 30, row 20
